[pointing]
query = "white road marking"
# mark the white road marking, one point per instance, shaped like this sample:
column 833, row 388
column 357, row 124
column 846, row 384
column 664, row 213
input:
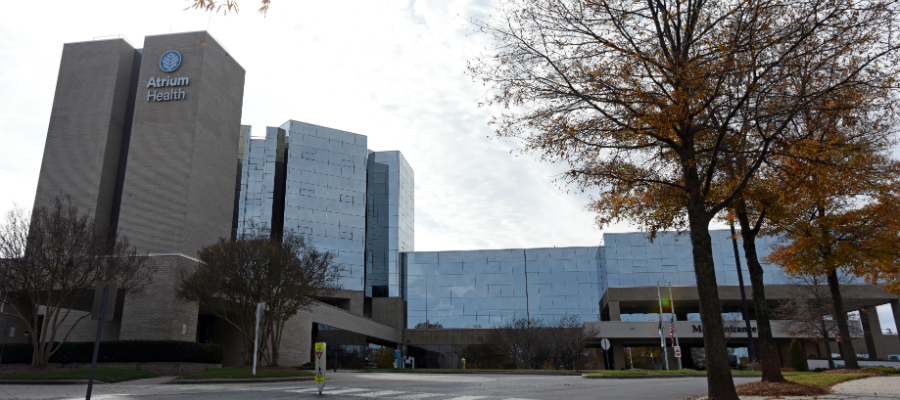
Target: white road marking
column 303, row 390
column 469, row 397
column 104, row 397
column 379, row 393
column 283, row 389
column 420, row 396
column 341, row 391
column 382, row 376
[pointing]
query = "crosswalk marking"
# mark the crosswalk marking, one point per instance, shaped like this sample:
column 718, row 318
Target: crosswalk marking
column 303, row 390
column 468, row 398
column 284, row 389
column 376, row 394
column 420, row 396
column 346, row 391
column 341, row 391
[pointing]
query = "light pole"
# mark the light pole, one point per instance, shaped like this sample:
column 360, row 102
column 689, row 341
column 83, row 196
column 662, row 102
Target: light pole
column 737, row 261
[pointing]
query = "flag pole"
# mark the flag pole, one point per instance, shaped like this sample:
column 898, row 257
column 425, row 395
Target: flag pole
column 662, row 340
column 674, row 332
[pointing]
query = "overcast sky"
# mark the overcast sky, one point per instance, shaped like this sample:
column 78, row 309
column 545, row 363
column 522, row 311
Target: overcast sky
column 393, row 70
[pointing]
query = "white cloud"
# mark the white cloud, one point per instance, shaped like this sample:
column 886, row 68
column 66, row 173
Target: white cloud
column 391, row 70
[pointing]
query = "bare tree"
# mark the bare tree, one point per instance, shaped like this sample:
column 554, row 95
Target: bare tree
column 565, row 340
column 810, row 309
column 429, row 325
column 521, row 339
column 284, row 274
column 51, row 260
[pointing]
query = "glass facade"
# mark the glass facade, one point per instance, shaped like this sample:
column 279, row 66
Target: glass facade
column 483, row 288
column 326, row 184
column 390, row 211
column 316, row 181
column 631, row 260
column 262, row 167
column 325, row 193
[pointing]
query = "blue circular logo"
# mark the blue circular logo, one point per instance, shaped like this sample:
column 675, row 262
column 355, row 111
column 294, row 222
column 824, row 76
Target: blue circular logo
column 170, row 61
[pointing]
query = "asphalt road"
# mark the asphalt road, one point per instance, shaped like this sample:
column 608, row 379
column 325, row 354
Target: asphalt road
column 360, row 386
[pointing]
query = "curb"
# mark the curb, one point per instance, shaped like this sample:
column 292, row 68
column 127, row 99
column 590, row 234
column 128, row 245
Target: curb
column 586, row 376
column 48, row 382
column 472, row 372
column 241, row 380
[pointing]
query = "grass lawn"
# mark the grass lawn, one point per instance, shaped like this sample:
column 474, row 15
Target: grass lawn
column 824, row 380
column 247, row 373
column 109, row 375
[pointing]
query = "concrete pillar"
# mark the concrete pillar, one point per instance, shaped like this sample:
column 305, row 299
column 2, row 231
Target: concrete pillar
column 895, row 307
column 867, row 330
column 614, row 313
column 618, row 353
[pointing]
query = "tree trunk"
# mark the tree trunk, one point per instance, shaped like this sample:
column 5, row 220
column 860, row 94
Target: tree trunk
column 827, row 345
column 718, row 376
column 768, row 349
column 840, row 316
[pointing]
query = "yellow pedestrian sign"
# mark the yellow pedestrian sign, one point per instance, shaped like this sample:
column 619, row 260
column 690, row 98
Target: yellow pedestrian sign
column 320, row 366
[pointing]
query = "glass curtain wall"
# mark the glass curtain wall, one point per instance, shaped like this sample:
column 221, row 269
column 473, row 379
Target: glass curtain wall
column 631, row 260
column 325, row 193
column 262, row 179
column 390, row 222
column 485, row 288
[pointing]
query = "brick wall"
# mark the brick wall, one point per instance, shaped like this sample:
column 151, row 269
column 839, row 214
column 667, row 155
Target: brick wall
column 155, row 313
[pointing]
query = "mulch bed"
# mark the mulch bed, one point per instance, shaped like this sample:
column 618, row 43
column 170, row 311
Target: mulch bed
column 779, row 389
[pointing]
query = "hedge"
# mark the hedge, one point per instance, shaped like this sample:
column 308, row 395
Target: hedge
column 122, row 351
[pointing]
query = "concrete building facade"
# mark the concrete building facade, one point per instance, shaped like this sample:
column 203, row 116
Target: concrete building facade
column 85, row 138
column 180, row 157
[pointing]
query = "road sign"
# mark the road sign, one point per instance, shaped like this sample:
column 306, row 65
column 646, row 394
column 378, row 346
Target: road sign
column 320, row 366
column 604, row 344
column 837, row 336
column 678, row 351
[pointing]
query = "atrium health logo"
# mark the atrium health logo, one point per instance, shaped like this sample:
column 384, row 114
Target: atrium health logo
column 170, row 61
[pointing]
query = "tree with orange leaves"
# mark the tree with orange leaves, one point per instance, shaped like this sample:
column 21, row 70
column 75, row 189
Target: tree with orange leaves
column 646, row 100
column 837, row 224
column 843, row 141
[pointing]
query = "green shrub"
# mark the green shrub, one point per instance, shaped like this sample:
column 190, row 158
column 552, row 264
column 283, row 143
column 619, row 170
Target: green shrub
column 123, row 351
column 797, row 356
